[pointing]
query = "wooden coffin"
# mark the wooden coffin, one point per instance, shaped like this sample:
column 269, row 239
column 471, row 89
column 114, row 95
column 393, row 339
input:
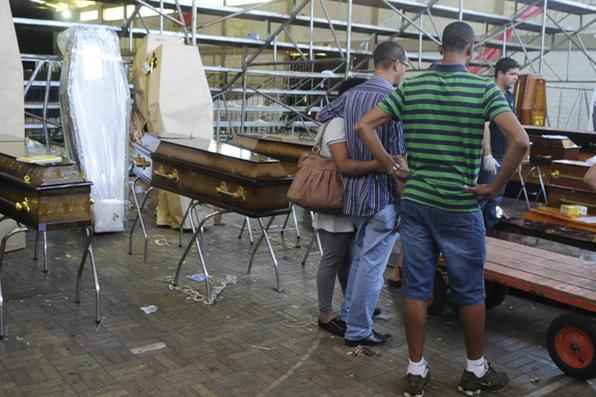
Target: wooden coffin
column 40, row 191
column 556, row 147
column 141, row 157
column 223, row 175
column 287, row 149
column 585, row 139
column 530, row 100
column 567, row 185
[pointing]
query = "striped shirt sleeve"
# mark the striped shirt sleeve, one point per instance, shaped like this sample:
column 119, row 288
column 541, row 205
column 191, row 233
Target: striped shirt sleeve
column 393, row 104
column 494, row 102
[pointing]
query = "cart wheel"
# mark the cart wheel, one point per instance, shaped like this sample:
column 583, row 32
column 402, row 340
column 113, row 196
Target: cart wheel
column 436, row 306
column 495, row 294
column 571, row 342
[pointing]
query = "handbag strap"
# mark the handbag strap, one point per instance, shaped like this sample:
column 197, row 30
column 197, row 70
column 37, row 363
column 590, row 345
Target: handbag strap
column 319, row 137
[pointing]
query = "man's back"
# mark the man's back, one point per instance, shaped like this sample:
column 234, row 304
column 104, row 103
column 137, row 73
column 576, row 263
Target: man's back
column 366, row 195
column 443, row 112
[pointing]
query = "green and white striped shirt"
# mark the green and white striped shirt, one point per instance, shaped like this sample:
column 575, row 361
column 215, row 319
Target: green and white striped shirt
column 443, row 113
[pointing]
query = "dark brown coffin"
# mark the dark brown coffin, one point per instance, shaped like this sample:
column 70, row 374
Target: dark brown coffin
column 556, row 147
column 283, row 149
column 567, row 185
column 223, row 175
column 41, row 195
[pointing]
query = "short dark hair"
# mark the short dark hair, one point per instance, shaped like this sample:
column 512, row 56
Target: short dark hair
column 388, row 52
column 505, row 64
column 457, row 36
column 349, row 84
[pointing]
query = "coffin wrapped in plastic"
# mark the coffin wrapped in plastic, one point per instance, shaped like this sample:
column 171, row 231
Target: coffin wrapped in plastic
column 95, row 107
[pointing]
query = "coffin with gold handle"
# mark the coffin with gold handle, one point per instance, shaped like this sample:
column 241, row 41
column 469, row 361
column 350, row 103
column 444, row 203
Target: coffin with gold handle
column 567, row 186
column 288, row 150
column 37, row 188
column 223, row 175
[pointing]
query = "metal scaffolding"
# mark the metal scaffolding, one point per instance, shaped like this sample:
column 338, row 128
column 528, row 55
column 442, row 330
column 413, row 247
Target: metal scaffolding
column 286, row 71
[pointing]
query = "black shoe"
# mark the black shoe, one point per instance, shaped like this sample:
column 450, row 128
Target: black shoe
column 376, row 312
column 416, row 384
column 336, row 327
column 470, row 385
column 373, row 339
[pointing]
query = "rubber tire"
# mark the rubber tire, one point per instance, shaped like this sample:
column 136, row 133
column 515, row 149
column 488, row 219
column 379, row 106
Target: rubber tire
column 495, row 294
column 586, row 325
column 437, row 306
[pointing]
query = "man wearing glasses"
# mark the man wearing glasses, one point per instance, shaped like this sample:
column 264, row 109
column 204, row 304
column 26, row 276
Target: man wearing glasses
column 371, row 201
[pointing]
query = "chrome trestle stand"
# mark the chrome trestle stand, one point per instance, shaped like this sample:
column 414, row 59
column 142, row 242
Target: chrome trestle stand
column 265, row 236
column 196, row 238
column 315, row 237
column 44, row 235
column 87, row 253
column 139, row 218
column 246, row 225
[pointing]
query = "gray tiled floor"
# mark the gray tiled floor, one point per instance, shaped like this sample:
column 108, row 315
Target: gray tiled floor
column 253, row 342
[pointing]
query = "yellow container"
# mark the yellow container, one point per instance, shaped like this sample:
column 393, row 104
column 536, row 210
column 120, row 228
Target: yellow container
column 574, row 210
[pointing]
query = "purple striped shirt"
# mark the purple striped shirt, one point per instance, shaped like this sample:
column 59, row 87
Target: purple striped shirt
column 369, row 194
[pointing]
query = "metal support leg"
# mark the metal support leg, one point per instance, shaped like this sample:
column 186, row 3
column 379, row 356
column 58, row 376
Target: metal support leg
column 197, row 241
column 44, row 235
column 246, row 223
column 524, row 190
column 200, row 248
column 139, row 219
column 88, row 252
column 265, row 236
column 181, row 229
column 2, row 250
column 542, row 187
column 295, row 218
column 308, row 248
column 36, row 245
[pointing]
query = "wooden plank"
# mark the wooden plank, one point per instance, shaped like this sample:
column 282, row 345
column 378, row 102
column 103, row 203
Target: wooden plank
column 541, row 286
column 493, row 243
column 530, row 263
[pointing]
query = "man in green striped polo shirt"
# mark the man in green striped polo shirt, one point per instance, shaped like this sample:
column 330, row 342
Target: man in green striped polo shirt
column 443, row 112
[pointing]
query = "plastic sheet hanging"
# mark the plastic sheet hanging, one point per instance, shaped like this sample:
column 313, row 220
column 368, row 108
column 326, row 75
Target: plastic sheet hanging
column 95, row 108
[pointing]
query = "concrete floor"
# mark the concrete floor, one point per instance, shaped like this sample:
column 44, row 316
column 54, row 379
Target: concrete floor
column 253, row 342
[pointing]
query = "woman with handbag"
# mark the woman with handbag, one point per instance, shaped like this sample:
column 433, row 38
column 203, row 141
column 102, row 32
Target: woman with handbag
column 336, row 231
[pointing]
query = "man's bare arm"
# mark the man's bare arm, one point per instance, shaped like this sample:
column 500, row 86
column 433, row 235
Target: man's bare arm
column 517, row 146
column 339, row 152
column 590, row 177
column 366, row 130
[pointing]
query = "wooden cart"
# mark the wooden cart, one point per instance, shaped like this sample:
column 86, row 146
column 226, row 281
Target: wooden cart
column 571, row 337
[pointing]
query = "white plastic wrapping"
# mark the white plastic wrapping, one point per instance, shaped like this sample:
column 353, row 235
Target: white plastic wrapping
column 95, row 107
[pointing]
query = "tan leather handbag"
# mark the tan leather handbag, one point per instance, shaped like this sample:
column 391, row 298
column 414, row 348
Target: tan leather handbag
column 318, row 185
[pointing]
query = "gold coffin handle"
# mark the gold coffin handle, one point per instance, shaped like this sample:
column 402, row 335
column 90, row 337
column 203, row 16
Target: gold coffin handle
column 224, row 190
column 173, row 176
column 23, row 205
column 141, row 162
column 557, row 174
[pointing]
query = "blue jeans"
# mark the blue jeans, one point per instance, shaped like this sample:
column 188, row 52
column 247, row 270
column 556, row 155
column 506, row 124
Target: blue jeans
column 374, row 240
column 459, row 236
column 489, row 207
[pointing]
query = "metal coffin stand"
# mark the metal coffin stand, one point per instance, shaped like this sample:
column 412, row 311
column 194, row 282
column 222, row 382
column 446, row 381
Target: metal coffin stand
column 44, row 197
column 231, row 178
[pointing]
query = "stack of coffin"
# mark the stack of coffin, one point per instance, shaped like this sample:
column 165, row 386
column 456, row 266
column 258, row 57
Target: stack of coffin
column 223, row 175
column 41, row 190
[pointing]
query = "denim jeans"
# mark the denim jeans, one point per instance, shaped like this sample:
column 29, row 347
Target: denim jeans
column 459, row 236
column 374, row 240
